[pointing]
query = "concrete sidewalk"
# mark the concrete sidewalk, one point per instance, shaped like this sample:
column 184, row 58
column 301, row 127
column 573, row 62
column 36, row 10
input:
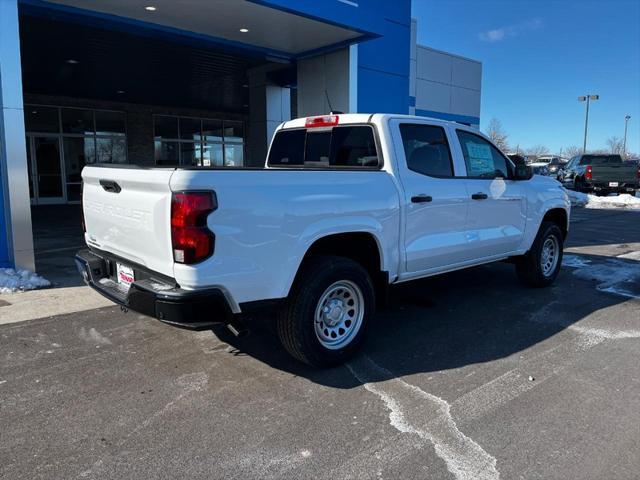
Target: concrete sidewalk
column 21, row 306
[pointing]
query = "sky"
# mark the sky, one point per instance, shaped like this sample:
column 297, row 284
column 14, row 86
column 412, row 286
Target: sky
column 539, row 56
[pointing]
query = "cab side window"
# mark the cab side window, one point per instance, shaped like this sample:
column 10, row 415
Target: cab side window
column 426, row 149
column 482, row 159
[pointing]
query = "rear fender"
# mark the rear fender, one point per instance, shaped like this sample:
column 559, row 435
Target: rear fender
column 341, row 225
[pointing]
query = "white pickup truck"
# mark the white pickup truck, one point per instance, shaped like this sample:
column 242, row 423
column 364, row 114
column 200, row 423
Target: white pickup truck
column 345, row 206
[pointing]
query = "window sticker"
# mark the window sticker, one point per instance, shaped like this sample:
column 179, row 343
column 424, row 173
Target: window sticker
column 480, row 159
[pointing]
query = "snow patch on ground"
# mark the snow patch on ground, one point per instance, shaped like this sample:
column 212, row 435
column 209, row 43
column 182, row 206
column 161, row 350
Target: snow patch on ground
column 624, row 200
column 414, row 411
column 12, row 280
column 630, row 256
column 620, row 275
column 574, row 261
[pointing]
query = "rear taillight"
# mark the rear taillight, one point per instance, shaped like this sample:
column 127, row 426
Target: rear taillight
column 638, row 174
column 192, row 241
column 588, row 173
column 323, row 121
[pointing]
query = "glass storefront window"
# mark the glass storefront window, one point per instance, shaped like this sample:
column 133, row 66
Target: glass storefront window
column 165, row 126
column 233, row 131
column 41, row 119
column 76, row 120
column 212, row 155
column 167, row 154
column 190, row 129
column 78, row 152
column 222, row 141
column 62, row 140
column 111, row 150
column 110, row 123
column 189, row 154
column 233, row 155
column 212, row 130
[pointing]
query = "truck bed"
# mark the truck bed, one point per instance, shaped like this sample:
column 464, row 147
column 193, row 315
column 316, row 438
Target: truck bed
column 262, row 216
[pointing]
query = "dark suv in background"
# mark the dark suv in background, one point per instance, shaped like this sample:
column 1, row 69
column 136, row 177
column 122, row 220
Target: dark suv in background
column 601, row 174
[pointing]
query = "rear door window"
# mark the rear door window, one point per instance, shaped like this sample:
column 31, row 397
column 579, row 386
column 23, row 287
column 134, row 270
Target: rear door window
column 346, row 147
column 426, row 150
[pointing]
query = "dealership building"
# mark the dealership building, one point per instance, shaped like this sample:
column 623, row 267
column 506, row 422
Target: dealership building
column 196, row 83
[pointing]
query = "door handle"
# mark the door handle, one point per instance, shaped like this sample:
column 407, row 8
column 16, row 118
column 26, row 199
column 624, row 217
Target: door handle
column 422, row 198
column 479, row 196
column 110, row 186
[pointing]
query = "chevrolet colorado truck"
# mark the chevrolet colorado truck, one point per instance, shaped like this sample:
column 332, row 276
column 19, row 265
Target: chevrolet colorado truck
column 601, row 174
column 345, row 206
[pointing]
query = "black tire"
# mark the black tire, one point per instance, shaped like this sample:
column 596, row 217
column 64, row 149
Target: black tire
column 529, row 267
column 296, row 320
column 577, row 184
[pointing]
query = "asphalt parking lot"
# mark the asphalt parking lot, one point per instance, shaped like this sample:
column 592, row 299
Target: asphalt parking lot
column 464, row 376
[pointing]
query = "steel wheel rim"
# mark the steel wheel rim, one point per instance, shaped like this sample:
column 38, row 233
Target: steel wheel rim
column 550, row 255
column 339, row 313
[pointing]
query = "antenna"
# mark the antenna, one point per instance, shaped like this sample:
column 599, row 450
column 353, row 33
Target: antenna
column 328, row 100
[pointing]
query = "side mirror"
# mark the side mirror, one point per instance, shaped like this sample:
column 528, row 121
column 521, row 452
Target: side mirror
column 523, row 172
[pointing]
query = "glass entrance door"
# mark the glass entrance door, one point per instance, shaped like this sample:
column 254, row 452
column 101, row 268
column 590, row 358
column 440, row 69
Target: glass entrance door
column 45, row 172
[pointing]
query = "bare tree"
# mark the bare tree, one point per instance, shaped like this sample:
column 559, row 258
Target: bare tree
column 572, row 151
column 537, row 151
column 497, row 135
column 616, row 145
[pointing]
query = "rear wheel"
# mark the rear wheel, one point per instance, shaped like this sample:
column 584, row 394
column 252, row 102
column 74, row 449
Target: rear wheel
column 328, row 311
column 541, row 265
column 577, row 184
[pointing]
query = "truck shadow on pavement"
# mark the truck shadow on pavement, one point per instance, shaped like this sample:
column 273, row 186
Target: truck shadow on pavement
column 447, row 322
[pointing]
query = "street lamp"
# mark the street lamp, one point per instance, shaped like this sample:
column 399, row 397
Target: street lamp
column 624, row 143
column 587, row 98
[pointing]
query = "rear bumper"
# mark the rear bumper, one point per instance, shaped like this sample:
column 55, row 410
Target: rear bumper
column 622, row 186
column 155, row 297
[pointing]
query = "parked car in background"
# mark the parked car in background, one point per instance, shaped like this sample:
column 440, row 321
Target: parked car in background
column 601, row 174
column 346, row 206
column 554, row 163
column 540, row 168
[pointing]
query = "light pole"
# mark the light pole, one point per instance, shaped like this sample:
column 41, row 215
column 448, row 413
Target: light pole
column 624, row 142
column 587, row 98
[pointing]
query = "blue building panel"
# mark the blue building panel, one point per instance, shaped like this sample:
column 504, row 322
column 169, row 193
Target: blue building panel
column 383, row 67
column 5, row 257
column 367, row 16
column 381, row 92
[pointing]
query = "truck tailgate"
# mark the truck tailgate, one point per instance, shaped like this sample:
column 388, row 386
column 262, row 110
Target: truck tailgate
column 127, row 213
column 622, row 173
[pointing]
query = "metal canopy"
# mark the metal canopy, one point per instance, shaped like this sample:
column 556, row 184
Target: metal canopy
column 72, row 59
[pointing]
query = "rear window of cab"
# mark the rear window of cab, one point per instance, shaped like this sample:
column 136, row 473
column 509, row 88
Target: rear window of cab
column 339, row 147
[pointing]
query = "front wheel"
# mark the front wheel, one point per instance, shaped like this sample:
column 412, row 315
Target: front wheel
column 541, row 265
column 328, row 311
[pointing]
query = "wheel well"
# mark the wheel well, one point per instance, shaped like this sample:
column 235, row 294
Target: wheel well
column 360, row 247
column 559, row 217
